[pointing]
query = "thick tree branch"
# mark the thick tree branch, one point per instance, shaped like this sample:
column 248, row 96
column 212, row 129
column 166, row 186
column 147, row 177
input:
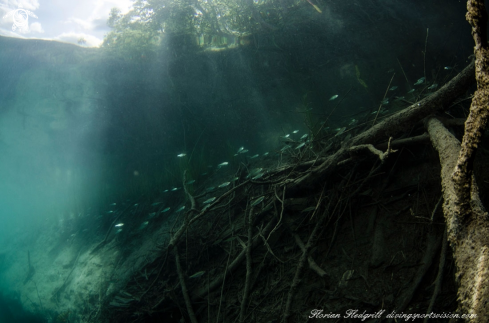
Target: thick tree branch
column 479, row 112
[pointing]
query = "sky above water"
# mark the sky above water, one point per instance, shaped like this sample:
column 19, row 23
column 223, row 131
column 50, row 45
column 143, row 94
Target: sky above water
column 61, row 20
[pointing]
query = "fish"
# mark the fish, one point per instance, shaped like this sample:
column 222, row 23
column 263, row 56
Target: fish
column 180, row 209
column 210, row 189
column 385, row 101
column 393, row 88
column 309, row 209
column 304, row 136
column 447, row 68
column 223, row 164
column 174, row 189
column 152, row 214
column 235, row 179
column 209, row 200
column 265, row 154
column 244, row 151
column 143, row 225
column 197, row 274
column 285, row 148
column 340, row 131
column 255, row 171
column 181, row 155
column 224, row 184
column 433, row 86
column 411, row 91
column 390, row 71
column 110, row 211
column 419, row 81
column 287, row 135
column 118, row 231
column 295, row 131
column 301, row 145
column 156, row 203
column 353, row 121
column 240, row 149
column 190, row 182
column 259, row 175
column 257, row 201
column 165, row 210
column 113, row 204
column 254, row 156
column 165, row 191
column 118, row 225
column 333, row 97
column 203, row 174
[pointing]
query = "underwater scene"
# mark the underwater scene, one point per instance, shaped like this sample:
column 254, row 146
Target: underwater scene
column 244, row 161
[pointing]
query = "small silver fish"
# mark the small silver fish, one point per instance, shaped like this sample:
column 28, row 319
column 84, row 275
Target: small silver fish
column 224, row 184
column 113, row 204
column 240, row 149
column 143, row 225
column 393, row 88
column 411, row 91
column 165, row 191
column 295, row 131
column 340, row 131
column 433, row 86
column 259, row 175
column 385, row 102
column 165, row 210
column 197, row 274
column 174, row 189
column 190, row 182
column 181, row 155
column 285, row 148
column 180, row 209
column 156, row 203
column 304, row 136
column 255, row 171
column 210, row 189
column 235, row 179
column 265, row 154
column 420, row 81
column 300, row 146
column 257, row 201
column 353, row 121
column 210, row 200
column 287, row 135
column 244, row 151
column 447, row 68
column 333, row 97
column 254, row 156
column 118, row 225
column 223, row 164
column 118, row 231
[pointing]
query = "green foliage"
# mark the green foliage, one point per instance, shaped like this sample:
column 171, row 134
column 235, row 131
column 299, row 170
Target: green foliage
column 212, row 23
